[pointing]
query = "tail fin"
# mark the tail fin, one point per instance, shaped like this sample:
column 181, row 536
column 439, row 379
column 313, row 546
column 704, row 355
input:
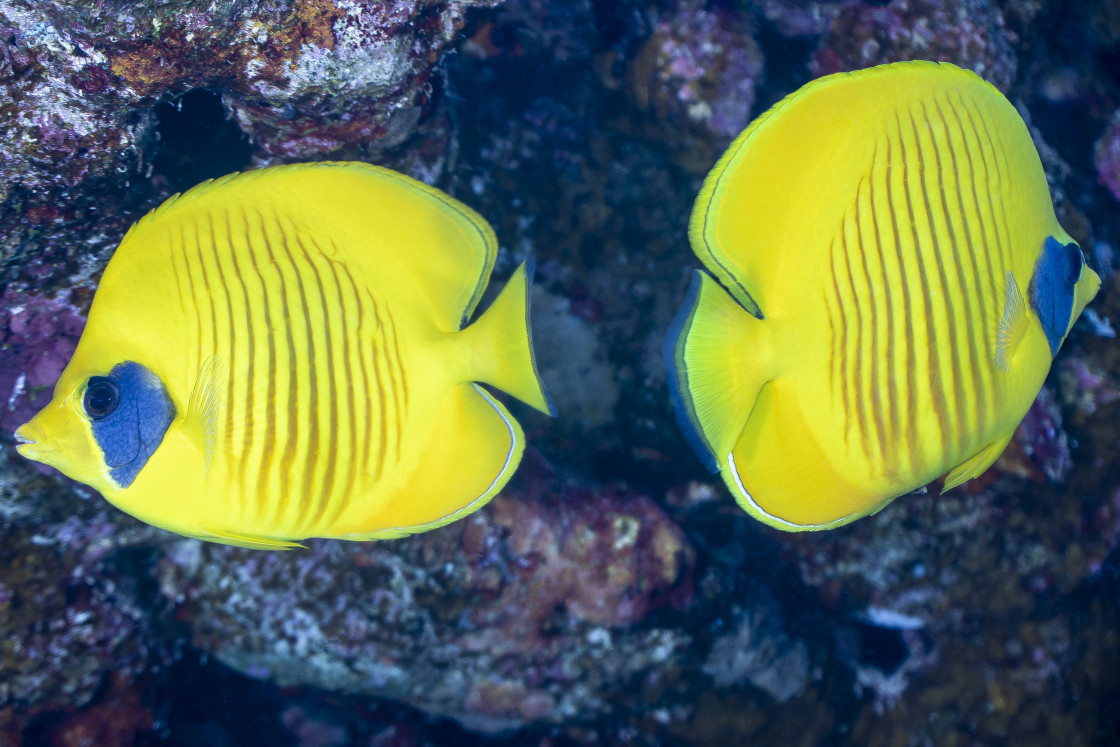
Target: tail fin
column 505, row 344
column 717, row 365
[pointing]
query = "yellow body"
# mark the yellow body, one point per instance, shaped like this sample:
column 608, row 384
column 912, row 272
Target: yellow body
column 864, row 228
column 307, row 323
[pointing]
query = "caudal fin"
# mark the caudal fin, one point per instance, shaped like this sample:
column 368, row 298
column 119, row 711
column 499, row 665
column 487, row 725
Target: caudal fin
column 718, row 362
column 503, row 344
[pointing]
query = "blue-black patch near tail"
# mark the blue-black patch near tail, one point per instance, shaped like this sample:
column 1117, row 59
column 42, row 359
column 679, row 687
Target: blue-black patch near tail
column 678, row 375
column 1056, row 272
column 134, row 429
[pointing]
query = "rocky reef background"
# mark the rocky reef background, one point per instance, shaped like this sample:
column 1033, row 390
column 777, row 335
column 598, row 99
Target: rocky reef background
column 613, row 594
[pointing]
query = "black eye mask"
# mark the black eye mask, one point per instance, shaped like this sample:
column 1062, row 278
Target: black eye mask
column 130, row 412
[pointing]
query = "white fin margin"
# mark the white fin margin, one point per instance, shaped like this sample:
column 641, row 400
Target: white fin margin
column 509, row 454
column 395, row 532
column 770, row 518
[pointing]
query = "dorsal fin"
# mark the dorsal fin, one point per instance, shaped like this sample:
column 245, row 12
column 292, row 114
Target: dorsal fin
column 385, row 224
column 206, row 403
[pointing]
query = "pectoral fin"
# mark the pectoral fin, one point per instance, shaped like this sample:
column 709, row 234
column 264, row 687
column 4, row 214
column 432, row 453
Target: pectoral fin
column 205, row 405
column 1012, row 326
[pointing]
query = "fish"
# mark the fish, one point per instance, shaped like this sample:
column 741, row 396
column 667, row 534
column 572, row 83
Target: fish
column 885, row 286
column 289, row 353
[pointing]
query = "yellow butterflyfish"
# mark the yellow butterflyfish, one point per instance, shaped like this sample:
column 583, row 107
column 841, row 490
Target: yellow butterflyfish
column 886, row 287
column 285, row 353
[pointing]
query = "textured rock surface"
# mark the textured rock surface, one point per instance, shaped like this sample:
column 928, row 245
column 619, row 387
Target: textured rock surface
column 517, row 614
column 304, row 79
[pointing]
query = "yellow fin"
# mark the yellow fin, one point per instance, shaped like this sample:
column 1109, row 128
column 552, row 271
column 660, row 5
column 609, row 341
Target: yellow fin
column 376, row 215
column 503, row 344
column 1012, row 326
column 976, row 464
column 718, row 363
column 476, row 447
column 245, row 540
column 205, row 404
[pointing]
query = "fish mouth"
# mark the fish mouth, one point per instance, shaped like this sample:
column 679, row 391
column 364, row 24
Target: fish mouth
column 29, row 444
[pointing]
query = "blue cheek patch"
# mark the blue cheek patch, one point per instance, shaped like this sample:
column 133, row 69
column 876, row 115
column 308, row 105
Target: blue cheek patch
column 132, row 433
column 1052, row 286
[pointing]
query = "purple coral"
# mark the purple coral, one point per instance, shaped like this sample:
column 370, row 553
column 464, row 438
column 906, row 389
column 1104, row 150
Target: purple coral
column 1106, row 156
column 701, row 67
column 964, row 32
column 37, row 337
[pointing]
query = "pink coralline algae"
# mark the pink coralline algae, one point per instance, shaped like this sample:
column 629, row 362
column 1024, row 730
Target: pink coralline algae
column 969, row 33
column 1106, row 156
column 79, row 83
column 37, row 337
column 519, row 613
column 700, row 67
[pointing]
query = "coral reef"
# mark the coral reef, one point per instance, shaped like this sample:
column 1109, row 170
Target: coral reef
column 37, row 337
column 699, row 68
column 613, row 594
column 1106, row 156
column 73, row 610
column 970, row 33
column 516, row 614
column 303, row 79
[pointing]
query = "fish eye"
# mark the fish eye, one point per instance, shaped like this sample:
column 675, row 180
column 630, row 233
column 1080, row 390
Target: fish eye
column 1076, row 261
column 101, row 397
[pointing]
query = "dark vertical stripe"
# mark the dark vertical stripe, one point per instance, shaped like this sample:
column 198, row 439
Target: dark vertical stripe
column 832, row 336
column 936, row 385
column 291, row 432
column 1003, row 188
column 390, row 367
column 339, row 501
column 917, row 459
column 268, row 437
column 993, row 182
column 400, row 364
column 313, row 511
column 991, row 241
column 978, row 245
column 888, row 437
column 296, row 408
column 968, row 291
column 175, row 270
column 853, row 363
column 208, row 294
column 196, row 364
column 236, row 450
column 245, row 408
column 366, row 347
column 840, row 342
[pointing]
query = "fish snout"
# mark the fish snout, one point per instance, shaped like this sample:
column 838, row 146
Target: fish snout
column 31, row 441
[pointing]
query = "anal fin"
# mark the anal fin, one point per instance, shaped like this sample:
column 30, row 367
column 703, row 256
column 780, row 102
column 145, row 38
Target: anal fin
column 251, row 542
column 475, row 447
column 975, row 465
